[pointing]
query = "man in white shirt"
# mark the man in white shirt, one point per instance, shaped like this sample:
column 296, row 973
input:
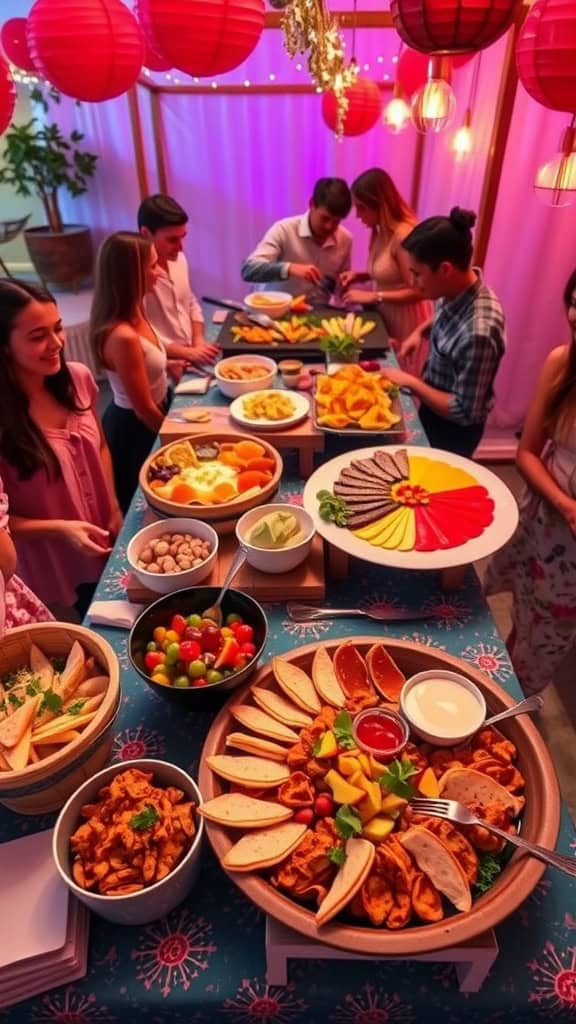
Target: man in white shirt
column 307, row 253
column 171, row 307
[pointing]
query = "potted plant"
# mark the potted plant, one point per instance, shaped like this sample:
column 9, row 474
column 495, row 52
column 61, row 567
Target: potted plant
column 38, row 159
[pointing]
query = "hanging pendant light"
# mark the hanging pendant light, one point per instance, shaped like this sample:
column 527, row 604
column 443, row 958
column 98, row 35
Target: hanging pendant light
column 463, row 141
column 433, row 105
column 396, row 116
column 555, row 182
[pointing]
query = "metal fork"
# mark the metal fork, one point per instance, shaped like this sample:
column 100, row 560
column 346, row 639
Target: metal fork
column 452, row 810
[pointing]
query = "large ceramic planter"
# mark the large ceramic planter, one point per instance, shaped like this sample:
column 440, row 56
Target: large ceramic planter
column 64, row 257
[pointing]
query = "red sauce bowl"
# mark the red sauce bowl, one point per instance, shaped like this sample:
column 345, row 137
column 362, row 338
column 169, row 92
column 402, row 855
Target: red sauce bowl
column 380, row 732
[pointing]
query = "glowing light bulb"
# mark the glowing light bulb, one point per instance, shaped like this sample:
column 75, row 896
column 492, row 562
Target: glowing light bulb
column 433, row 106
column 555, row 182
column 463, row 141
column 396, row 116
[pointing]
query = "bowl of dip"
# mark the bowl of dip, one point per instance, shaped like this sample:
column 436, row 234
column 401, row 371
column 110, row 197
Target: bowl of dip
column 275, row 538
column 290, row 370
column 380, row 732
column 442, row 707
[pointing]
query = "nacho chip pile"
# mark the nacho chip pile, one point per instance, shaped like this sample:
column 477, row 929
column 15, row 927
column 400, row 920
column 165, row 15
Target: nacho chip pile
column 133, row 836
column 352, row 397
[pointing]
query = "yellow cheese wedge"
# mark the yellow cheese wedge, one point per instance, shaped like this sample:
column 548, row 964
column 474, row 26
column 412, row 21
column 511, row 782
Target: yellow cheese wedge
column 438, row 476
column 371, row 532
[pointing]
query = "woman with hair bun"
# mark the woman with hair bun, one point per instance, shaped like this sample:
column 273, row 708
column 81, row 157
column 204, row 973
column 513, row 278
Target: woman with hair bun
column 466, row 334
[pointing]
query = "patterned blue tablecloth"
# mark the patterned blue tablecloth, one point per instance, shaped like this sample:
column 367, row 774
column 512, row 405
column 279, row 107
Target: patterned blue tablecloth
column 205, row 961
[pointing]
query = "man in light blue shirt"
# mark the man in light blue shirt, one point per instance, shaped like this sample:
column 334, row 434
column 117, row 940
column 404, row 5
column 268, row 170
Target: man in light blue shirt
column 308, row 252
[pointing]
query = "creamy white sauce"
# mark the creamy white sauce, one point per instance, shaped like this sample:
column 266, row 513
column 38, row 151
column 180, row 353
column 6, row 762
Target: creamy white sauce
column 443, row 707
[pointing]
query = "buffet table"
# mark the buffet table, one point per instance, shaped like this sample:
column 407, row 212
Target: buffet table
column 206, row 961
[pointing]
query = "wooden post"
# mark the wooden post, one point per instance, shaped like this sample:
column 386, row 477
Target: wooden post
column 156, row 111
column 417, row 170
column 137, row 142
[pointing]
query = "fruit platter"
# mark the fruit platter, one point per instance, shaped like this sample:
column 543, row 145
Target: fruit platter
column 304, row 332
column 353, row 400
column 410, row 507
column 214, row 476
column 322, row 835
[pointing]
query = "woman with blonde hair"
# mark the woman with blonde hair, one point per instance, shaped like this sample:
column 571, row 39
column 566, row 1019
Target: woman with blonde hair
column 381, row 208
column 538, row 565
column 131, row 354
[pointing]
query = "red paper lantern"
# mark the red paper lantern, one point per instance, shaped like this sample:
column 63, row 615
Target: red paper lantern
column 7, row 95
column 203, row 37
column 14, row 44
column 153, row 60
column 91, row 50
column 545, row 54
column 445, row 26
column 364, row 107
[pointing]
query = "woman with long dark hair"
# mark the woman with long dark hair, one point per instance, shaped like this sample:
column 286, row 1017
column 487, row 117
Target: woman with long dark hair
column 538, row 565
column 133, row 357
column 54, row 461
column 382, row 209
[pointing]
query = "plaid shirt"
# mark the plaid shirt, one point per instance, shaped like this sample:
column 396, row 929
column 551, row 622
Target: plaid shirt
column 467, row 342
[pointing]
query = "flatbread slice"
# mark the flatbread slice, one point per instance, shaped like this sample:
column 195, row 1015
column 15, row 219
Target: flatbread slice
column 256, row 745
column 236, row 810
column 264, row 848
column 255, row 772
column 258, row 721
column 41, row 667
column 471, row 787
column 92, row 687
column 19, row 755
column 325, row 679
column 13, row 728
column 439, row 864
column 351, row 876
column 296, row 685
column 283, row 710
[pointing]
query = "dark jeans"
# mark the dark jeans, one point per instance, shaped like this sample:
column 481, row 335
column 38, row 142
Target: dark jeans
column 84, row 595
column 452, row 437
column 130, row 442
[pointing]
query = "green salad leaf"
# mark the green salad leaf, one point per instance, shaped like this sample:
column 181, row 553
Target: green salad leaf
column 342, row 730
column 348, row 822
column 396, row 776
column 337, row 854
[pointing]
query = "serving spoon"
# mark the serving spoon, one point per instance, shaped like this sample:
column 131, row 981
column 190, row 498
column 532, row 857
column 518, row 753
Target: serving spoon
column 533, row 703
column 214, row 612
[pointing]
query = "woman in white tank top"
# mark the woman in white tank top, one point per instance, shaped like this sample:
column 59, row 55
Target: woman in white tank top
column 131, row 354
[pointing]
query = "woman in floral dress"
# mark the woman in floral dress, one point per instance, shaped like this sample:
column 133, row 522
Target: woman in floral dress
column 18, row 605
column 538, row 565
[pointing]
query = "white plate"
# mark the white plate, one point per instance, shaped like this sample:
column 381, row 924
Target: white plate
column 494, row 536
column 301, row 411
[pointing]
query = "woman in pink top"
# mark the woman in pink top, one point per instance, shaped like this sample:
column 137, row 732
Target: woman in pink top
column 381, row 208
column 18, row 605
column 54, row 461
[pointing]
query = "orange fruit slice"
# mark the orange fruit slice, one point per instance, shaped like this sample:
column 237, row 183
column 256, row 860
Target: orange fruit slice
column 249, row 450
column 351, row 671
column 183, row 493
column 224, row 491
column 384, row 672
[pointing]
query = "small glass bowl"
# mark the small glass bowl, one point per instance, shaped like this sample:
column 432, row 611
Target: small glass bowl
column 382, row 714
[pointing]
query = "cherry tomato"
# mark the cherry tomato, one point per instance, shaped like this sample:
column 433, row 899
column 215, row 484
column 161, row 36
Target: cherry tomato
column 324, row 806
column 248, row 649
column 305, row 816
column 178, row 624
column 199, row 682
column 211, row 639
column 244, row 633
column 193, row 633
column 240, row 661
column 152, row 659
column 190, row 650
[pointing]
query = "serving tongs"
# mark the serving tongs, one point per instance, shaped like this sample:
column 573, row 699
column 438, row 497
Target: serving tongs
column 260, row 319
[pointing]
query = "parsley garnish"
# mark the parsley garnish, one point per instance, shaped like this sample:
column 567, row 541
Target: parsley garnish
column 51, row 701
column 348, row 822
column 337, row 854
column 395, row 779
column 332, row 509
column 488, row 870
column 15, row 700
column 145, row 818
column 342, row 729
column 76, row 708
column 34, row 686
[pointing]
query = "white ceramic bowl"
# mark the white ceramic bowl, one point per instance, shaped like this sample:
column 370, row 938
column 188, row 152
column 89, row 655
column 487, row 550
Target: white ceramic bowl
column 234, row 388
column 168, row 582
column 451, row 738
column 155, row 900
column 275, row 560
column 276, row 303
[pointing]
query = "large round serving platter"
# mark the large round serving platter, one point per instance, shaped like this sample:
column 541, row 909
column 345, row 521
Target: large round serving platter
column 300, row 403
column 494, row 536
column 540, row 819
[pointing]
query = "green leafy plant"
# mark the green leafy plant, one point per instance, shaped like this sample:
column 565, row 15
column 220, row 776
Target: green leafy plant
column 39, row 159
column 346, row 347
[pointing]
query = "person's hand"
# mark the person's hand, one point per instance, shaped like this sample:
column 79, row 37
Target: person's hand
column 87, row 538
column 346, row 277
column 411, row 344
column 204, row 352
column 115, row 522
column 569, row 512
column 176, row 368
column 307, row 271
column 400, row 377
column 361, row 295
